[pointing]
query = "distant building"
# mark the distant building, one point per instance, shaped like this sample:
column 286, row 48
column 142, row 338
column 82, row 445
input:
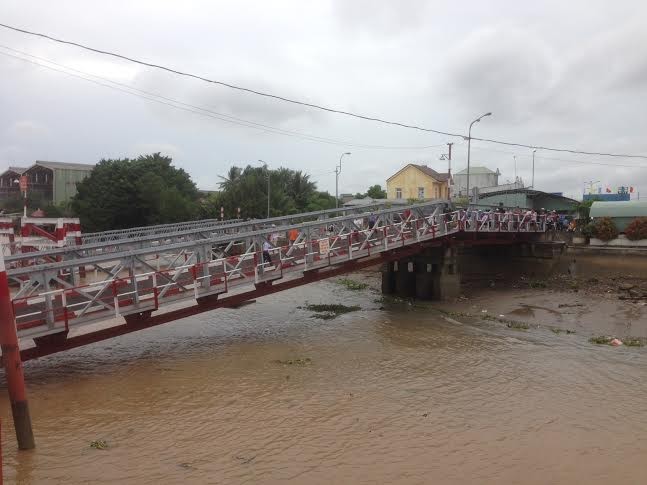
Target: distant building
column 497, row 188
column 346, row 197
column 367, row 201
column 418, row 182
column 9, row 183
column 529, row 199
column 622, row 213
column 54, row 182
column 479, row 177
column 622, row 195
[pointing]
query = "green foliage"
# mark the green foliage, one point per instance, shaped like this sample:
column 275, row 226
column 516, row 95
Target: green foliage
column 588, row 230
column 376, row 192
column 291, row 191
column 637, row 229
column 604, row 229
column 359, row 196
column 352, row 284
column 583, row 210
column 330, row 311
column 124, row 193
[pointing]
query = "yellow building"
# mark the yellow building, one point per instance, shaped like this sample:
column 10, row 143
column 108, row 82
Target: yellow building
column 418, row 182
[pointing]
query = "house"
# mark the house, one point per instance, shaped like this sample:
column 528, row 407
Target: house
column 418, row 182
column 479, row 177
column 55, row 182
column 10, row 183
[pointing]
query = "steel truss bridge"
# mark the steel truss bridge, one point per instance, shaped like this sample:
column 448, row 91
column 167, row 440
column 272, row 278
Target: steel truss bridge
column 141, row 277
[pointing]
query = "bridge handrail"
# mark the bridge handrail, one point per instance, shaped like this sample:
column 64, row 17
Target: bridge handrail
column 74, row 250
column 218, row 239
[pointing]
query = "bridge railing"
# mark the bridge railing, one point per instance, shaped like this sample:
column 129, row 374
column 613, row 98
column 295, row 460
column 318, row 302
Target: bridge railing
column 60, row 309
column 50, row 302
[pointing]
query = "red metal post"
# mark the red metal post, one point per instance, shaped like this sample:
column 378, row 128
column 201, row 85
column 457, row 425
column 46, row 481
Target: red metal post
column 13, row 366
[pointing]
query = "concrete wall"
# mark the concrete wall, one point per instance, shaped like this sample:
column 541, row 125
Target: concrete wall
column 476, row 180
column 410, row 179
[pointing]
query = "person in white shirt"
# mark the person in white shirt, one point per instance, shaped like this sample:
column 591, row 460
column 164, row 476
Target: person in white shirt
column 266, row 250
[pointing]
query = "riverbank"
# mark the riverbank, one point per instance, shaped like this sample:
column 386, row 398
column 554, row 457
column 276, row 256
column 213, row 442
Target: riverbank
column 611, row 305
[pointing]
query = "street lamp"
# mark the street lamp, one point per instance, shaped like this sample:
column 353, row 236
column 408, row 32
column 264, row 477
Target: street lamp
column 267, row 172
column 337, row 172
column 469, row 146
column 533, row 169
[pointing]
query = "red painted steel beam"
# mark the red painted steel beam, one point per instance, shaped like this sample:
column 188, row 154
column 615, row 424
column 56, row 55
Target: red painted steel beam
column 55, row 346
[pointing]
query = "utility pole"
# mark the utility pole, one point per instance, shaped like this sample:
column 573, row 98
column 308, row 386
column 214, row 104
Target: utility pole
column 515, row 168
column 267, row 172
column 448, row 157
column 533, row 168
column 337, row 172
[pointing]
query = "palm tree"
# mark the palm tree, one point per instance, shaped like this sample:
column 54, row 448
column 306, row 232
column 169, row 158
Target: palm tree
column 232, row 177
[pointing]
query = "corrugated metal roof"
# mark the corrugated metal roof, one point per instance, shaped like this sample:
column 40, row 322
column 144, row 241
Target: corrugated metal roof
column 531, row 193
column 64, row 165
column 476, row 171
column 15, row 170
column 632, row 208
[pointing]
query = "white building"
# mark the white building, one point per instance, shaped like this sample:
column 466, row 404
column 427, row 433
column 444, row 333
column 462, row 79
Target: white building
column 480, row 177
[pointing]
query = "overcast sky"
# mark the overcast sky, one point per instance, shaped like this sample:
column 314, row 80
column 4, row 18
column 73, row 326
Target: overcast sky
column 554, row 73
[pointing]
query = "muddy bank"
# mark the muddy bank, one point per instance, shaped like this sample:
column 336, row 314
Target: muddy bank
column 613, row 304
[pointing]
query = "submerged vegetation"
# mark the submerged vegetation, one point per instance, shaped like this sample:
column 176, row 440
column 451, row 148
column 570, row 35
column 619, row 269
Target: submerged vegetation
column 352, row 284
column 330, row 310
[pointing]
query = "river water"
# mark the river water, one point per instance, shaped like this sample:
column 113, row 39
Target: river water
column 394, row 395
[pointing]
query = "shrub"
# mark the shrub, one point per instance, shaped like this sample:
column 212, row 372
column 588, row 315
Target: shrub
column 605, row 229
column 588, row 230
column 637, row 229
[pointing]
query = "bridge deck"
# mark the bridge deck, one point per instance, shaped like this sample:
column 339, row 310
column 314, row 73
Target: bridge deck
column 134, row 283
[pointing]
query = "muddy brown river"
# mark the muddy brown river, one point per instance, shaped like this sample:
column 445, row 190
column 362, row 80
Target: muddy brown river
column 399, row 395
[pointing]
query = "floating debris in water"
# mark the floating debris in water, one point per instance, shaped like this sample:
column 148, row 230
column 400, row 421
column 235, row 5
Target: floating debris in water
column 305, row 361
column 330, row 311
column 99, row 444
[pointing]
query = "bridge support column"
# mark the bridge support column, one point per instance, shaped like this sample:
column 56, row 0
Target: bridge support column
column 13, row 366
column 447, row 283
column 405, row 278
column 388, row 278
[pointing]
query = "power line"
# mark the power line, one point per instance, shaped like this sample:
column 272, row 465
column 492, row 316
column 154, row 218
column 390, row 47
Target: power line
column 203, row 111
column 307, row 104
column 581, row 162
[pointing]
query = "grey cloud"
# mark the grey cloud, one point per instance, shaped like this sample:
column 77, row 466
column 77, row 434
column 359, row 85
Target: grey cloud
column 499, row 69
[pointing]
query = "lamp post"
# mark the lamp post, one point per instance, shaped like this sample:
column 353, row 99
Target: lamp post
column 337, row 172
column 533, row 169
column 469, row 146
column 267, row 172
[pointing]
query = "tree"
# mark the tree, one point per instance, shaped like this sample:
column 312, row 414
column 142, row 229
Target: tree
column 246, row 188
column 376, row 192
column 124, row 193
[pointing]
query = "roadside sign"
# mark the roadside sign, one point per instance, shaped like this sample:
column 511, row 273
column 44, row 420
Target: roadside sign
column 324, row 246
column 23, row 183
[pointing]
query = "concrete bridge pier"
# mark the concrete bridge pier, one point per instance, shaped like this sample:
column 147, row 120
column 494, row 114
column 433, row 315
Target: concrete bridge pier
column 405, row 278
column 431, row 275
